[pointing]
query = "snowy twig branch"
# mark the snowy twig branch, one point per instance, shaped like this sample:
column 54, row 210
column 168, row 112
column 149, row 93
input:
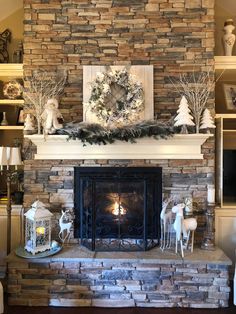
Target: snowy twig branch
column 42, row 86
column 197, row 88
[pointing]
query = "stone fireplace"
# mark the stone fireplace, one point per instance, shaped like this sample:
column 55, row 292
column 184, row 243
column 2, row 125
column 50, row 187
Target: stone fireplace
column 167, row 36
column 117, row 208
column 174, row 38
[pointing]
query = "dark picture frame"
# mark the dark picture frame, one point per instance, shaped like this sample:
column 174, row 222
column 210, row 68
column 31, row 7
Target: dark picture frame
column 230, row 96
column 20, row 117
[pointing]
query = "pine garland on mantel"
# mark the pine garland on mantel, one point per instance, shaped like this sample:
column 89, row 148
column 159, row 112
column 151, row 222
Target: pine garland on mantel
column 92, row 133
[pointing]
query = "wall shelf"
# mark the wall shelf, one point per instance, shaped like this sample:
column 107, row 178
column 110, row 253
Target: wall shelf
column 180, row 146
column 226, row 115
column 225, row 62
column 11, row 127
column 12, row 102
column 11, row 69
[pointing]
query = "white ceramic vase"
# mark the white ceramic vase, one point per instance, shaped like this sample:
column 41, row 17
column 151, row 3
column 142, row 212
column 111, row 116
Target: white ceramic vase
column 228, row 37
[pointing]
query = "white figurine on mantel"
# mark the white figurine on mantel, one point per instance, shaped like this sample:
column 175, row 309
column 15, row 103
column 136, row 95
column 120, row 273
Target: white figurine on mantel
column 50, row 116
column 183, row 117
column 29, row 125
column 207, row 121
column 228, row 37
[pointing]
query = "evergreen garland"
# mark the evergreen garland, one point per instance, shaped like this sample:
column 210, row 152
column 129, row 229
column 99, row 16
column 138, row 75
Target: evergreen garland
column 92, row 133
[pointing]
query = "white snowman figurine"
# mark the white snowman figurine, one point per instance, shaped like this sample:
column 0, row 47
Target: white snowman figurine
column 50, row 116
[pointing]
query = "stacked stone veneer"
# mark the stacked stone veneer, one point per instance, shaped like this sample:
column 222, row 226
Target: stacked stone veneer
column 174, row 36
column 118, row 283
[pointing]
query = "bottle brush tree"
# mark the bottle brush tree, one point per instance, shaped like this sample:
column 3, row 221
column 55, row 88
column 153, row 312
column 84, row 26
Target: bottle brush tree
column 184, row 117
column 207, row 121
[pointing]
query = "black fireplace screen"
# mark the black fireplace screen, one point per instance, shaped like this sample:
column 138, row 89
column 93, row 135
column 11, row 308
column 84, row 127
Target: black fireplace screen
column 117, row 209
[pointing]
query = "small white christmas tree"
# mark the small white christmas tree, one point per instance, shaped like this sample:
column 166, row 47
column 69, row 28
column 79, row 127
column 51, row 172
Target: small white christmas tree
column 29, row 125
column 183, row 117
column 207, row 121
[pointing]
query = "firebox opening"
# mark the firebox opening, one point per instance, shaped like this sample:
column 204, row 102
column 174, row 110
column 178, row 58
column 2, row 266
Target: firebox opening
column 118, row 209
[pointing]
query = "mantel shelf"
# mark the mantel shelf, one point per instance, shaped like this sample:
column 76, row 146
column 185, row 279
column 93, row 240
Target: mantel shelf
column 180, row 146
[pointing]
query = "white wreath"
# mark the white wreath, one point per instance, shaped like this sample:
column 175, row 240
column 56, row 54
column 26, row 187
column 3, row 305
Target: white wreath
column 116, row 97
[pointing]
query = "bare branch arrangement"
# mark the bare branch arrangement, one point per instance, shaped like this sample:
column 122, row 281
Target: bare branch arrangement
column 196, row 88
column 40, row 87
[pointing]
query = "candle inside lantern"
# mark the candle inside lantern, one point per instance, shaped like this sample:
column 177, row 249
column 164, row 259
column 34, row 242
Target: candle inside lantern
column 118, row 209
column 211, row 194
column 40, row 230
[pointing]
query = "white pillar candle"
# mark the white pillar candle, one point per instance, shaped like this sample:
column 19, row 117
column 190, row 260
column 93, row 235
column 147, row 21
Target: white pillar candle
column 211, row 194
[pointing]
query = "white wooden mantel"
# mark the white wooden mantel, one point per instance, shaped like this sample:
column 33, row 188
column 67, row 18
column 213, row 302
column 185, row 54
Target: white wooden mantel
column 180, row 146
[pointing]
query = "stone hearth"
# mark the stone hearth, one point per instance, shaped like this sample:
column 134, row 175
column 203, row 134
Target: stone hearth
column 79, row 277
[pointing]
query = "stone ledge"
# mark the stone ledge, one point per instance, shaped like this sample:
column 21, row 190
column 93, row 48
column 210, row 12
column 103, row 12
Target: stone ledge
column 76, row 253
column 147, row 279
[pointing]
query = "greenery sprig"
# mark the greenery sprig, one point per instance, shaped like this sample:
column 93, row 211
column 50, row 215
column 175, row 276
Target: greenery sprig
column 90, row 133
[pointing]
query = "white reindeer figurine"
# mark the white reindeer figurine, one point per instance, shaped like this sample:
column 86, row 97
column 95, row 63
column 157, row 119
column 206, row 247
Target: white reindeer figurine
column 183, row 227
column 166, row 220
column 64, row 227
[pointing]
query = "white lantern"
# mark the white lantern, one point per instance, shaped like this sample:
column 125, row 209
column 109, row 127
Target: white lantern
column 38, row 228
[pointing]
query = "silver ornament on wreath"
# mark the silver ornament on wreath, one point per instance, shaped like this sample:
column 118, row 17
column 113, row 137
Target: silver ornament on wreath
column 117, row 98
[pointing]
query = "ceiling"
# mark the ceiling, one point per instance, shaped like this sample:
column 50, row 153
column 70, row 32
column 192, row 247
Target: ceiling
column 8, row 7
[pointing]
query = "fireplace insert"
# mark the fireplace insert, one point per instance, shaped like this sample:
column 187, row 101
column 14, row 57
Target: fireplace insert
column 118, row 208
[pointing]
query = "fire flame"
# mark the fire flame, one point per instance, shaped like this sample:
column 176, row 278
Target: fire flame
column 40, row 230
column 118, row 209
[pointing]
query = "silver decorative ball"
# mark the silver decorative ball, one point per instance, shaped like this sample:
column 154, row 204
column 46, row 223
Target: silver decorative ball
column 54, row 244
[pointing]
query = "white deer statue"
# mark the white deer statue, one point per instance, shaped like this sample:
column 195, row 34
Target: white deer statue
column 183, row 227
column 65, row 227
column 166, row 220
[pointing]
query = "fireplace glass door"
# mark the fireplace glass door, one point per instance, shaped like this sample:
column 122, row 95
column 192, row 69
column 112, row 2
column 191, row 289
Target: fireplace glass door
column 117, row 209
